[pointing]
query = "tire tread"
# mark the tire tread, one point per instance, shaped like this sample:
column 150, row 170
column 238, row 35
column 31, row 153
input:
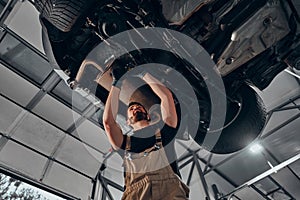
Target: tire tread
column 64, row 14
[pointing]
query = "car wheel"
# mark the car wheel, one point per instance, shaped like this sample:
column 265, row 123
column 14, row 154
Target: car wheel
column 245, row 119
column 62, row 14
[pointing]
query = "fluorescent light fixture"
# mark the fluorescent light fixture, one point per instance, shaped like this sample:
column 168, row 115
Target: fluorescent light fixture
column 256, row 148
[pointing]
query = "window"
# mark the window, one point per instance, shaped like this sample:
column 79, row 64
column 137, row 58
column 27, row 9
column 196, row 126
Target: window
column 24, row 60
column 12, row 188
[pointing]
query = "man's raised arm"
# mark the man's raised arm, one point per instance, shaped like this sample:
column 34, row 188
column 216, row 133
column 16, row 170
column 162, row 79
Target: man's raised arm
column 168, row 110
column 112, row 128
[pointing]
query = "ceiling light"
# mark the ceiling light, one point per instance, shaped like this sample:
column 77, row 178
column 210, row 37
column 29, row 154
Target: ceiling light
column 256, row 148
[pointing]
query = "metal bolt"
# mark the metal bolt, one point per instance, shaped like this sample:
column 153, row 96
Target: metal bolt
column 267, row 21
column 229, row 60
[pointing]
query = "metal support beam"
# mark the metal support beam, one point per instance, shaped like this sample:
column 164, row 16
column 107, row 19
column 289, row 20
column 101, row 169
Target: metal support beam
column 105, row 190
column 285, row 103
column 94, row 188
column 203, row 181
column 274, row 158
column 185, row 163
column 287, row 108
column 265, row 135
column 5, row 10
column 190, row 174
column 235, row 197
column 265, row 174
column 100, row 181
column 185, row 156
column 280, row 126
column 113, row 184
column 104, row 182
column 208, row 162
column 281, row 188
column 260, row 192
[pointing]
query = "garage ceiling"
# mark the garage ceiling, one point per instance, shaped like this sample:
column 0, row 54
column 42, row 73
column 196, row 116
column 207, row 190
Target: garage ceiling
column 49, row 135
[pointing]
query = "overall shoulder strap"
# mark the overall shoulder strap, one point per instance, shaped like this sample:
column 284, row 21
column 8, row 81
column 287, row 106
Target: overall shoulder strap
column 158, row 137
column 128, row 143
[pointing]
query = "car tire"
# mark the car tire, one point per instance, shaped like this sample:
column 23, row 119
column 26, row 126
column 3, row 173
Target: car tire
column 245, row 119
column 61, row 13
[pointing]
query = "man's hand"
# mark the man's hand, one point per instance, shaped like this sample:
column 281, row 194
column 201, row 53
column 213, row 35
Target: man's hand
column 168, row 109
column 117, row 73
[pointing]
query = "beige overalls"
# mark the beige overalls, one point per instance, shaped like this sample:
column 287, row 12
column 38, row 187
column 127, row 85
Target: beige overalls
column 149, row 176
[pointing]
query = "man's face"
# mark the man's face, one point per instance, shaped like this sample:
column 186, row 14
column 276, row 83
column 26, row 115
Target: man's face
column 135, row 113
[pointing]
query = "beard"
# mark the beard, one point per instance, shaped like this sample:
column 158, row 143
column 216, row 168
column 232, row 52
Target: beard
column 138, row 116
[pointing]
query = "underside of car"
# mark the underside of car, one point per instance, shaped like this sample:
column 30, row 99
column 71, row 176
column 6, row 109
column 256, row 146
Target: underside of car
column 250, row 42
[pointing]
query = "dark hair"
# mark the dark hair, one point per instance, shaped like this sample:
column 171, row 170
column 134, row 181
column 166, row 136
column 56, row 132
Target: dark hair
column 137, row 103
